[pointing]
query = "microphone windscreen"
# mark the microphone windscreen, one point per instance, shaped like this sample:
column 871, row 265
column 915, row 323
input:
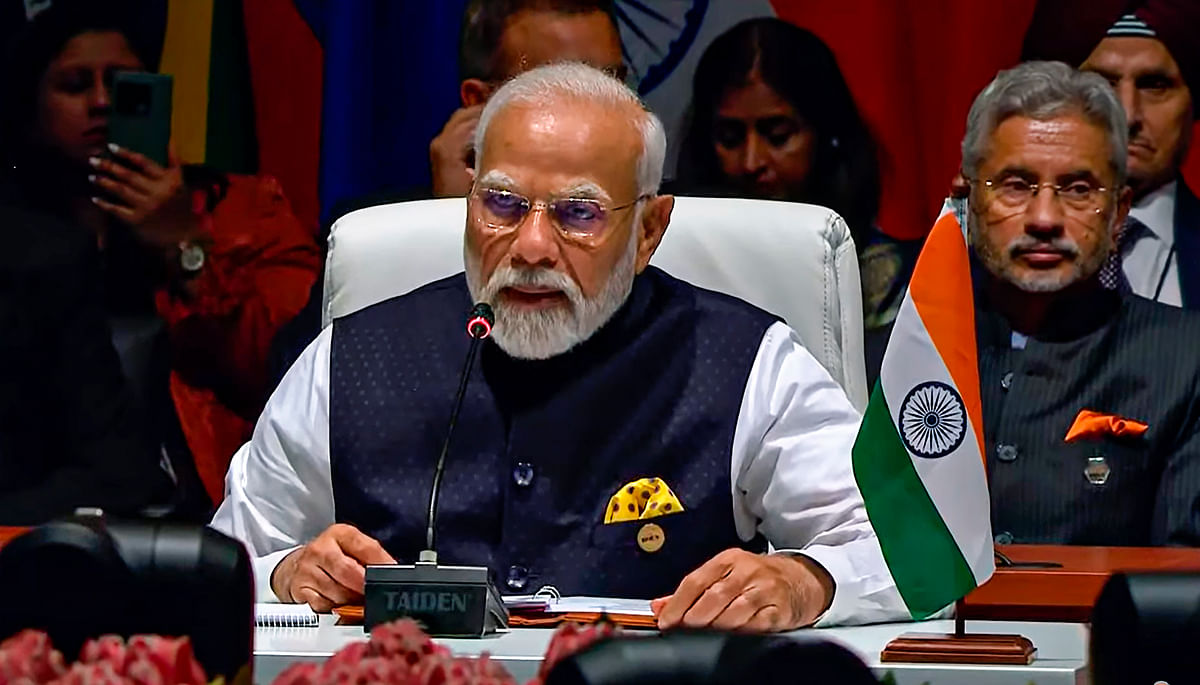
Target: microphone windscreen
column 483, row 310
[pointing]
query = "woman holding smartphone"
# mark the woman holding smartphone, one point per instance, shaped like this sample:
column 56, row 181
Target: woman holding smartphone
column 218, row 258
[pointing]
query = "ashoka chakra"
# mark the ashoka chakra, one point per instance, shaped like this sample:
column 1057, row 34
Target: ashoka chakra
column 933, row 420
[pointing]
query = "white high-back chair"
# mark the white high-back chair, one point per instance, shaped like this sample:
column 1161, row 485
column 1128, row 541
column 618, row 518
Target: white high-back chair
column 796, row 261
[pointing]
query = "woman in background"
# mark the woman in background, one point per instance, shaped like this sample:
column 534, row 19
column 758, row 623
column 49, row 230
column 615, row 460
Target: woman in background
column 217, row 259
column 772, row 118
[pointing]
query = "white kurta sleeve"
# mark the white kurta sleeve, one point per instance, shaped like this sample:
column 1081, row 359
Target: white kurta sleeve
column 278, row 492
column 793, row 480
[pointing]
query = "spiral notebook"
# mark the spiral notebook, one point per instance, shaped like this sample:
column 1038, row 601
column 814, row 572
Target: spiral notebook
column 284, row 616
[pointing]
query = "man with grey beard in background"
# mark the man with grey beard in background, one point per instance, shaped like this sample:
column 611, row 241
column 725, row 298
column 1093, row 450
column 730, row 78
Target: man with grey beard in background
column 1091, row 418
column 613, row 405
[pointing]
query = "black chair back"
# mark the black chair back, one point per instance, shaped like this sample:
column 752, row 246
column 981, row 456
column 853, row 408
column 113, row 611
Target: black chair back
column 1145, row 628
column 712, row 658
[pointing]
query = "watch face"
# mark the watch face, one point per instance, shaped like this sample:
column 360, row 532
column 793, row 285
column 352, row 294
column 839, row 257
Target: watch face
column 191, row 257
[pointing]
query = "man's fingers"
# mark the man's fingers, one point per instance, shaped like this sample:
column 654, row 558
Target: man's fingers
column 715, row 600
column 465, row 114
column 691, row 588
column 741, row 611
column 318, row 579
column 460, row 124
column 341, row 568
column 362, row 547
column 466, row 126
column 766, row 620
column 314, row 599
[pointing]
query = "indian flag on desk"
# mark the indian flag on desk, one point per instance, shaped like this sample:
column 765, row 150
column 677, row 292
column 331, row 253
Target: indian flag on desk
column 918, row 458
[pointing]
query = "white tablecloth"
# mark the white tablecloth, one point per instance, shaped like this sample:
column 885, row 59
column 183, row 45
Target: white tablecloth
column 1061, row 657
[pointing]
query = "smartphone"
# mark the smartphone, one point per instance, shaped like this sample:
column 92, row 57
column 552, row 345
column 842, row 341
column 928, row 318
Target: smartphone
column 140, row 119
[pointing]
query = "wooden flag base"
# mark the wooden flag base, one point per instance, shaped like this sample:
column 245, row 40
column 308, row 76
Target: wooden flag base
column 948, row 648
column 959, row 647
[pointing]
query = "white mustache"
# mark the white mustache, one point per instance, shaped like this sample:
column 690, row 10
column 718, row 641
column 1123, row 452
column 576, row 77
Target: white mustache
column 511, row 277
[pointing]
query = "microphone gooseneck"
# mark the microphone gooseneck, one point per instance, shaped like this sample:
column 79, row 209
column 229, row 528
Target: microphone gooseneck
column 479, row 327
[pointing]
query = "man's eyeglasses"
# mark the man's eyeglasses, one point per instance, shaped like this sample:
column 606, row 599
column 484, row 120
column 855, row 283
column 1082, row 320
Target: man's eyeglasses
column 1016, row 193
column 581, row 219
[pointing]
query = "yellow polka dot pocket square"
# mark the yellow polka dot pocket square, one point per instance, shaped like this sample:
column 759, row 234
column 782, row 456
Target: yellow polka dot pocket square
column 643, row 498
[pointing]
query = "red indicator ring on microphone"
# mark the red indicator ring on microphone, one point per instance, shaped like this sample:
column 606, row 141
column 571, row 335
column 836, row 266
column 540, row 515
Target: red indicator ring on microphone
column 479, row 327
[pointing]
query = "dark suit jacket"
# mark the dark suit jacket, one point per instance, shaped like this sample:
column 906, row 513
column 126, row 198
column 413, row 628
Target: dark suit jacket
column 69, row 435
column 1187, row 245
column 1110, row 353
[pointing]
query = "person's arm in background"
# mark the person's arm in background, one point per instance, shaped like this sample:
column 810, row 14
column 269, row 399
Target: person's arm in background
column 257, row 275
column 109, row 463
column 259, row 264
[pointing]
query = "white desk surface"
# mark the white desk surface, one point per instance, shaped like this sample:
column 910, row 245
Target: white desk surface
column 1061, row 656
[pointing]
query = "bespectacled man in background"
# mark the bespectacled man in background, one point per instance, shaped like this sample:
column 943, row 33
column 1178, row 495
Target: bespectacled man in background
column 1091, row 418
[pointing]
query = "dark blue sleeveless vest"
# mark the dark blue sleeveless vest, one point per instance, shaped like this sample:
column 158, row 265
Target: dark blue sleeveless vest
column 541, row 446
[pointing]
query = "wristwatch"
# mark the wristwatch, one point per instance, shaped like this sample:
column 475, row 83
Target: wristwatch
column 191, row 258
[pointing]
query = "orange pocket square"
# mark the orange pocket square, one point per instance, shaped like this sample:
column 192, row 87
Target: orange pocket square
column 1094, row 424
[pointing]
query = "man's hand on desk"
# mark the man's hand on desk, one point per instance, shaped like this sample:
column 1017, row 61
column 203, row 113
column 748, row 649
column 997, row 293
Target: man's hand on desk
column 329, row 571
column 740, row 590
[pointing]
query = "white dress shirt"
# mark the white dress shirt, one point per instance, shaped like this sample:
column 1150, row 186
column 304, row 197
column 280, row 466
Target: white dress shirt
column 1152, row 260
column 790, row 471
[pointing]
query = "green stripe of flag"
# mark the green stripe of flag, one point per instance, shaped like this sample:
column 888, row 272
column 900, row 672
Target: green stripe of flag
column 929, row 570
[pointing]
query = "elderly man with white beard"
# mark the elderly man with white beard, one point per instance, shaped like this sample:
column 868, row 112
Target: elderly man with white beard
column 608, row 388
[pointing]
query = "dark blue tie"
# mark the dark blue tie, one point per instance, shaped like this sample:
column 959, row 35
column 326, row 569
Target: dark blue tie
column 1112, row 276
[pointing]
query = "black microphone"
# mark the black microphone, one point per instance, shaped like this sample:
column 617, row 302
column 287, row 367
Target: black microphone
column 449, row 601
column 479, row 327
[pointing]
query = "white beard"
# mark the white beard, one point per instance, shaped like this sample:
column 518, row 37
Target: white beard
column 548, row 332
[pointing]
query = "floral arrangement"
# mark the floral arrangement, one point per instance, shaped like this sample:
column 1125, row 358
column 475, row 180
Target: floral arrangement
column 28, row 658
column 397, row 653
column 400, row 653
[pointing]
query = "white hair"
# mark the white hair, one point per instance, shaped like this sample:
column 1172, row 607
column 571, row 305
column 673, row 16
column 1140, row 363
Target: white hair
column 552, row 84
column 1042, row 91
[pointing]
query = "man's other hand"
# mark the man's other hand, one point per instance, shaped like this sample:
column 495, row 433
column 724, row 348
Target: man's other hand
column 330, row 570
column 740, row 590
column 450, row 153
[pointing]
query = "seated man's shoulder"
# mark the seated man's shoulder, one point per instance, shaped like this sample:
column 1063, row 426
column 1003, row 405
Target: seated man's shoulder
column 449, row 295
column 716, row 303
column 1165, row 333
column 1162, row 319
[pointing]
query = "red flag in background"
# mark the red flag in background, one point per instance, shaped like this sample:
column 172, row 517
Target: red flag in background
column 914, row 67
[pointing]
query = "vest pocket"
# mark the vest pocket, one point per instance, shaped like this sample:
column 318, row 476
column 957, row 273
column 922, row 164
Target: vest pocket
column 678, row 532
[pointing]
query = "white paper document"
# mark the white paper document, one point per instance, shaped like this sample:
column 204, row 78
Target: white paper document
column 611, row 605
